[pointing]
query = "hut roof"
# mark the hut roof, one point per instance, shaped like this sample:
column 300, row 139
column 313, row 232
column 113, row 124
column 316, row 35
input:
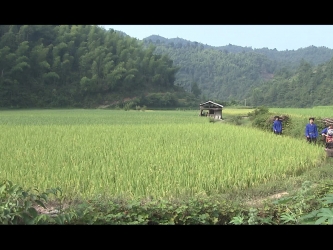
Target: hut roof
column 210, row 102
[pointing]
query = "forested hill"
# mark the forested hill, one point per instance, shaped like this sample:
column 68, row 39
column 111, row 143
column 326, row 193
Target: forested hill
column 219, row 74
column 308, row 86
column 232, row 72
column 80, row 66
column 312, row 54
column 88, row 66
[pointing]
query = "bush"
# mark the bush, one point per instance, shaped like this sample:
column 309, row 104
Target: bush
column 128, row 106
column 193, row 211
column 237, row 120
column 17, row 206
column 258, row 111
column 262, row 121
column 143, row 108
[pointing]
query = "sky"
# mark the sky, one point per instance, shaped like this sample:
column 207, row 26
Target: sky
column 280, row 37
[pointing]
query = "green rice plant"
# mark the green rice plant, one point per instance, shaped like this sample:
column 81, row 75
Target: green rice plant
column 161, row 154
column 320, row 111
column 239, row 112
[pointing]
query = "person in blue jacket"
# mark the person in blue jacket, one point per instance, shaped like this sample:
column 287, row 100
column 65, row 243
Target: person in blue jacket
column 277, row 126
column 311, row 131
column 327, row 135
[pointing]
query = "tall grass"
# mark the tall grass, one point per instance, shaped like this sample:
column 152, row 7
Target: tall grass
column 162, row 154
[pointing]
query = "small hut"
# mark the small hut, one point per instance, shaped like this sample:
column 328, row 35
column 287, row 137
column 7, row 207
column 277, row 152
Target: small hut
column 213, row 109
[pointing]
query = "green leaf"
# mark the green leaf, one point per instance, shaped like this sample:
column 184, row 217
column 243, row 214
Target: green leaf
column 40, row 203
column 13, row 189
column 325, row 212
column 320, row 220
column 32, row 211
column 41, row 219
column 2, row 188
column 311, row 215
column 330, row 221
column 283, row 200
column 308, row 222
column 27, row 204
column 328, row 199
column 68, row 217
column 26, row 218
column 44, row 196
column 59, row 219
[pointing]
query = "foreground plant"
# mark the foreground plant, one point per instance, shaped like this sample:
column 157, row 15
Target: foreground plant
column 17, row 205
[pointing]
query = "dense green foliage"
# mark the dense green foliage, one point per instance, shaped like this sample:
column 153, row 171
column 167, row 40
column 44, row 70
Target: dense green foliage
column 77, row 66
column 290, row 58
column 268, row 77
column 307, row 86
column 88, row 66
column 219, row 74
column 309, row 205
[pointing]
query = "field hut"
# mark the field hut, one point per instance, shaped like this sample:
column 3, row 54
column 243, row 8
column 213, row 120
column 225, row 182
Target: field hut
column 213, row 109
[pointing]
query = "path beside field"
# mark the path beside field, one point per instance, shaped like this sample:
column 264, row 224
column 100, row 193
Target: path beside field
column 258, row 202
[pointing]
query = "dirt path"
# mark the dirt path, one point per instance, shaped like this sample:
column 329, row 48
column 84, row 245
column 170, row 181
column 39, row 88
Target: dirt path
column 260, row 201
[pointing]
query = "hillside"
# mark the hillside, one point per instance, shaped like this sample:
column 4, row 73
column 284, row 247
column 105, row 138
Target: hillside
column 45, row 66
column 233, row 72
column 308, row 86
column 312, row 54
column 81, row 66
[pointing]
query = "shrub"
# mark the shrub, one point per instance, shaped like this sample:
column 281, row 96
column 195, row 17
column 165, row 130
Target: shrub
column 237, row 120
column 128, row 106
column 143, row 108
column 258, row 111
column 16, row 205
column 262, row 121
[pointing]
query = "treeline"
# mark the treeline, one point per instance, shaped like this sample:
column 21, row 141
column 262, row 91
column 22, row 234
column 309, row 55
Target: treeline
column 219, row 74
column 308, row 86
column 291, row 58
column 259, row 76
column 45, row 66
column 77, row 66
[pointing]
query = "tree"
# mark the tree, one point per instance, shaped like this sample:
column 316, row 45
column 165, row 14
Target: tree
column 195, row 89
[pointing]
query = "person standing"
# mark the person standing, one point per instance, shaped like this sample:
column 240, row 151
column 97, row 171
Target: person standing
column 277, row 126
column 311, row 131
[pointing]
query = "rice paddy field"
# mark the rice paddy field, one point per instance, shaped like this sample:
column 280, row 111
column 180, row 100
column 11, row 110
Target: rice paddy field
column 318, row 111
column 162, row 154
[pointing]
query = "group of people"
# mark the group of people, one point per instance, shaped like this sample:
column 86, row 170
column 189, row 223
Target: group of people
column 311, row 131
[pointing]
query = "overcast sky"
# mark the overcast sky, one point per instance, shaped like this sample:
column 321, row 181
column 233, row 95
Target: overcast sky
column 281, row 37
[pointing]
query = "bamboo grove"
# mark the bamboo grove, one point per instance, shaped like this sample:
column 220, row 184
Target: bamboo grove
column 75, row 65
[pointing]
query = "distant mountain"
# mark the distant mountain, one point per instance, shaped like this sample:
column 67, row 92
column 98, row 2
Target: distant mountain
column 232, row 72
column 312, row 54
column 156, row 39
